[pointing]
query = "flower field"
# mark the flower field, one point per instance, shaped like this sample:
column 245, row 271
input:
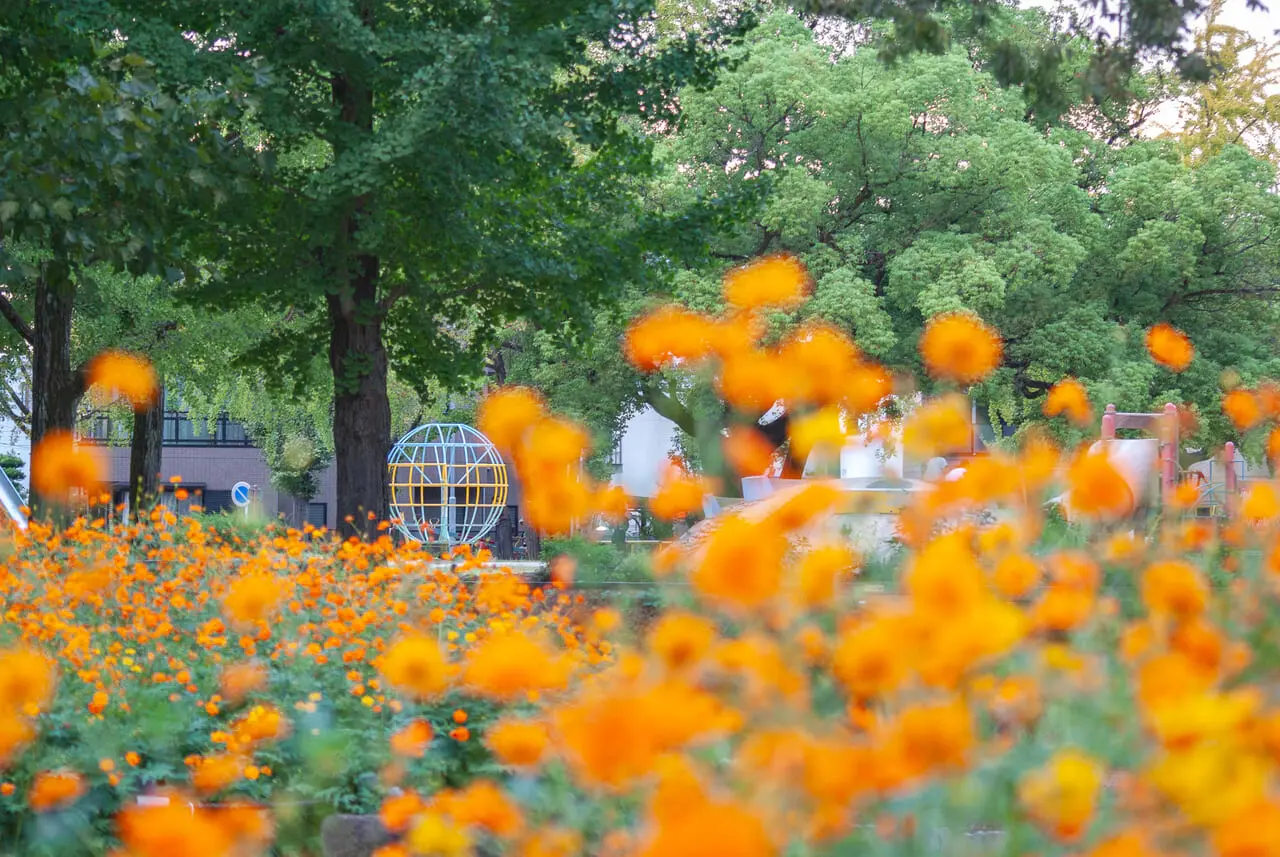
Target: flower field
column 1107, row 690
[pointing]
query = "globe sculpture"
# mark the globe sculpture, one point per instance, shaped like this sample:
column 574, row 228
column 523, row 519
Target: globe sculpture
column 448, row 484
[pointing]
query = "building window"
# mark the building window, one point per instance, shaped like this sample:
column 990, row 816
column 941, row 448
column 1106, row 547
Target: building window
column 178, row 430
column 615, row 457
column 318, row 514
column 217, row 501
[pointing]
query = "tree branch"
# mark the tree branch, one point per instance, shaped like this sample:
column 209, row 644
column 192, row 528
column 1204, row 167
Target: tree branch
column 16, row 321
column 669, row 406
column 1174, row 300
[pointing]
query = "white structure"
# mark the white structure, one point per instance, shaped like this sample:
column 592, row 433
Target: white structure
column 13, row 441
column 642, row 453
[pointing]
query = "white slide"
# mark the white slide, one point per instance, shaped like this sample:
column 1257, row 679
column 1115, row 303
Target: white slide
column 11, row 500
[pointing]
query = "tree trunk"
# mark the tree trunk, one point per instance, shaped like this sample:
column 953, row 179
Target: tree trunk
column 504, row 534
column 357, row 356
column 55, row 387
column 144, row 456
column 361, row 417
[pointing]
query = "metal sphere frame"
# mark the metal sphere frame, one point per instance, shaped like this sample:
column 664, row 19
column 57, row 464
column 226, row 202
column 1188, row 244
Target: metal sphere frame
column 448, row 484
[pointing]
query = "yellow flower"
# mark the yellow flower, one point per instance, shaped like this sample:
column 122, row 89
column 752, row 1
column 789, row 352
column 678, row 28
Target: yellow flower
column 819, row 429
column 436, row 836
column 416, row 667
column 938, row 427
column 1062, row 794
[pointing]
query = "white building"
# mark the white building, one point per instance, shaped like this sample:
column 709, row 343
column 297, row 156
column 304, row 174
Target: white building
column 646, row 445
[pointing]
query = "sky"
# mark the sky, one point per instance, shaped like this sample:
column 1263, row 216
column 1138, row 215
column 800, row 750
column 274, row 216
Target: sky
column 1235, row 13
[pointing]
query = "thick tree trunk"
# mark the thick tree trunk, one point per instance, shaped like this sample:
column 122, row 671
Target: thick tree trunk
column 144, row 457
column 56, row 388
column 361, row 418
column 357, row 356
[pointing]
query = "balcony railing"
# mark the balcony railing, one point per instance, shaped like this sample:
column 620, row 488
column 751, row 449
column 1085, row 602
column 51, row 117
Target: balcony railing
column 179, row 430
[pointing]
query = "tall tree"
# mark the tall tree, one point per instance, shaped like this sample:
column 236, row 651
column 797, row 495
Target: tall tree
column 1238, row 104
column 97, row 168
column 424, row 170
column 924, row 188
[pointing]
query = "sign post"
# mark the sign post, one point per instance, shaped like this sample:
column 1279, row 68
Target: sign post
column 241, row 494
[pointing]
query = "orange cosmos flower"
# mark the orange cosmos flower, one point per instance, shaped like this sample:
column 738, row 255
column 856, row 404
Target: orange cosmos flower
column 1063, row 794
column 519, row 743
column 819, row 570
column 938, row 427
column 1016, row 575
column 15, row 734
column 412, row 740
column 253, row 598
column 1068, row 398
column 1261, row 503
column 611, row 502
column 553, row 842
column 752, row 381
column 506, row 414
column 960, row 347
column 398, row 811
column 723, row 829
column 416, row 667
column 27, row 680
column 666, row 335
column 680, row 639
column 779, row 281
column 1174, row 588
column 928, row 738
column 869, row 658
column 510, row 665
column 165, row 831
column 1170, row 347
column 819, row 358
column 124, row 374
column 1250, row 833
column 237, row 681
column 58, row 465
column 482, row 804
column 1097, row 488
column 818, row 429
column 742, row 565
column 54, row 790
column 865, row 388
column 1242, row 408
column 1063, row 607
column 215, row 773
column 748, row 451
column 679, row 493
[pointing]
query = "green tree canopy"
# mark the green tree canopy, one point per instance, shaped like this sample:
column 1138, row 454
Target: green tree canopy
column 423, row 173
column 922, row 188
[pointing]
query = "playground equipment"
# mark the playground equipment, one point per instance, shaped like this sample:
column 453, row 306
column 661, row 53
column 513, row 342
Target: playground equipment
column 1220, row 481
column 448, row 484
column 11, row 502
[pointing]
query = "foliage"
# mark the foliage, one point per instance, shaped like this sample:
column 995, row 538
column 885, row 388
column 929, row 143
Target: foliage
column 155, row 704
column 920, row 189
column 1236, row 106
column 13, row 467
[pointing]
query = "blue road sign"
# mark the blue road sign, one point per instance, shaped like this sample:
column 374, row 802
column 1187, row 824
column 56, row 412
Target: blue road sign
column 240, row 494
